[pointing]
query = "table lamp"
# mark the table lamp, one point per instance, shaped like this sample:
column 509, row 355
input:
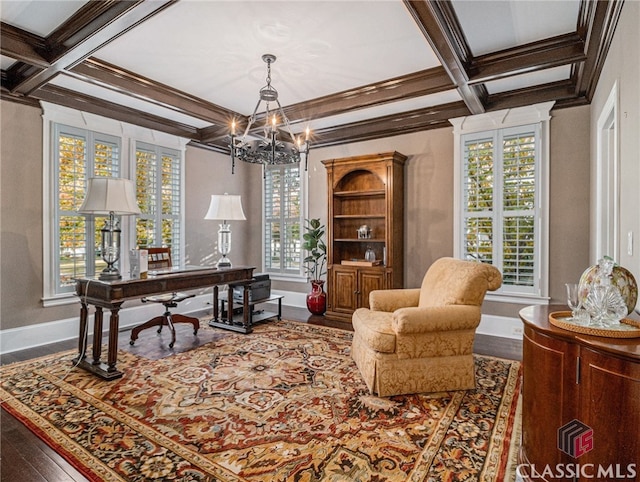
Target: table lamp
column 225, row 207
column 110, row 196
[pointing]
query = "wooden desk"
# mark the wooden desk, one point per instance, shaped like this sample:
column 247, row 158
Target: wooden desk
column 568, row 376
column 112, row 294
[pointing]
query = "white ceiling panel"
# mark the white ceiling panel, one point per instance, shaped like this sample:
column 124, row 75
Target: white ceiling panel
column 493, row 25
column 40, row 17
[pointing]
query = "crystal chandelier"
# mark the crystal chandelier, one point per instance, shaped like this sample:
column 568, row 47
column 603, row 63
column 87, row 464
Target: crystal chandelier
column 269, row 149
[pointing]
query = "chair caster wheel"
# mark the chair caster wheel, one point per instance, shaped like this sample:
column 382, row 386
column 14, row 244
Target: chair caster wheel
column 170, row 345
column 131, row 342
column 195, row 332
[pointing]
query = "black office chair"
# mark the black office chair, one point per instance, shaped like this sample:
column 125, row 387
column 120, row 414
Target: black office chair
column 160, row 258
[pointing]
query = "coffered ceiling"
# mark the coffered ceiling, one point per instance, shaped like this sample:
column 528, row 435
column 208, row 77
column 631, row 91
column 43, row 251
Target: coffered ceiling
column 349, row 70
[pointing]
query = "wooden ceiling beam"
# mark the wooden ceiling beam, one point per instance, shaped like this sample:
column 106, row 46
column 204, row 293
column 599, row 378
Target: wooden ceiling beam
column 559, row 91
column 93, row 105
column 439, row 24
column 23, row 46
column 417, row 84
column 597, row 22
column 390, row 125
column 553, row 52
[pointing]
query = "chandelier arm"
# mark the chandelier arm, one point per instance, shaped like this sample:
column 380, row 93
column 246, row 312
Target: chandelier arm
column 286, row 123
column 252, row 119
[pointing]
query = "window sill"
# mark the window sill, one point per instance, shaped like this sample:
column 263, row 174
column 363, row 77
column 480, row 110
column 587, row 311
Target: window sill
column 519, row 299
column 60, row 300
column 288, row 278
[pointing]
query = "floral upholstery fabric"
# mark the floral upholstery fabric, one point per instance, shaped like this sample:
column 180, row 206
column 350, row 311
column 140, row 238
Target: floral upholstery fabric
column 421, row 340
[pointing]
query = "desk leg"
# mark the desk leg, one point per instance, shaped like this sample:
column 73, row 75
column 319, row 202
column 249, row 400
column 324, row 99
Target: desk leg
column 246, row 308
column 112, row 355
column 215, row 303
column 97, row 335
column 82, row 337
column 229, row 306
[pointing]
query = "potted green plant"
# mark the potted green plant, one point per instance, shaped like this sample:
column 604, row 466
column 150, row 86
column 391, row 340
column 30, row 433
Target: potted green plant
column 315, row 264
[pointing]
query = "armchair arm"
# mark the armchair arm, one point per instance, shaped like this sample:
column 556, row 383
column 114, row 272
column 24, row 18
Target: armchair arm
column 391, row 300
column 436, row 318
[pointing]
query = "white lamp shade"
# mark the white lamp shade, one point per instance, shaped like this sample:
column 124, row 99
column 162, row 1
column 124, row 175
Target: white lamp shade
column 110, row 194
column 225, row 207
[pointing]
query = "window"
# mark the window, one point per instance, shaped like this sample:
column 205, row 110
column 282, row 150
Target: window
column 283, row 220
column 501, row 203
column 81, row 146
column 80, row 154
column 158, row 180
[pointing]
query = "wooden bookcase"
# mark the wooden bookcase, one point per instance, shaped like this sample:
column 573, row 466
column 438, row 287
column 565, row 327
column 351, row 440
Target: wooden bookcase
column 363, row 190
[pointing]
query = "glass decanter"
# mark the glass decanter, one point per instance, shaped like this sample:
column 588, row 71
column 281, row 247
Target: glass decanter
column 604, row 302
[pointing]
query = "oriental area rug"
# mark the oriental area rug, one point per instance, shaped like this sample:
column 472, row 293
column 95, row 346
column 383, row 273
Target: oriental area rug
column 284, row 403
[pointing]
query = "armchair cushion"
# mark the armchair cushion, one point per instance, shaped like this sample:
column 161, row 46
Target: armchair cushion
column 435, row 318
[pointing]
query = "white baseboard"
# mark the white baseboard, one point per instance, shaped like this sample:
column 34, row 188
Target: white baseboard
column 502, row 326
column 15, row 339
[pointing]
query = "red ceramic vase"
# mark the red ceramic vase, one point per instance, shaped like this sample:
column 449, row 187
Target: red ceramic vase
column 317, row 299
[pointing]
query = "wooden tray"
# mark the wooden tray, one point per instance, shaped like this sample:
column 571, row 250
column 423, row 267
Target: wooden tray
column 627, row 328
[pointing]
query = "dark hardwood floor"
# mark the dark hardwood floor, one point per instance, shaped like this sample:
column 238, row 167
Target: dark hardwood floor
column 24, row 457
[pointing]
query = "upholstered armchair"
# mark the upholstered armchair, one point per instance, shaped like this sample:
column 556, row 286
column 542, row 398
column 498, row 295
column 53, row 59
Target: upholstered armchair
column 421, row 340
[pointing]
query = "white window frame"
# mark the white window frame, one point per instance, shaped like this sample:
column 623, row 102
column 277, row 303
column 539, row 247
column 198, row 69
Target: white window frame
column 275, row 275
column 488, row 124
column 177, row 255
column 55, row 114
column 608, row 179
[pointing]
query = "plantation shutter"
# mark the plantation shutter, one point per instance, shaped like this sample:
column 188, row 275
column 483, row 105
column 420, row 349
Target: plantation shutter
column 283, row 219
column 479, row 200
column 158, row 189
column 518, row 201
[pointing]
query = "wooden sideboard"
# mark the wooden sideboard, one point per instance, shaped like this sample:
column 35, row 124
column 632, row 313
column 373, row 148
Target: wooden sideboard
column 569, row 376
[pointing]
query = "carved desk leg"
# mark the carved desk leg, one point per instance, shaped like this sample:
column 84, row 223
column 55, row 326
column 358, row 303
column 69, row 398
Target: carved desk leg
column 114, row 323
column 82, row 337
column 97, row 335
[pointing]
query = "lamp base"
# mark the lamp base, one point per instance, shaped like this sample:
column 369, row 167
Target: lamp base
column 223, row 262
column 110, row 274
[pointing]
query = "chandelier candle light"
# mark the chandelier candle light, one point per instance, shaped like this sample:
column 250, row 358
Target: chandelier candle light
column 225, row 207
column 268, row 150
column 110, row 196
